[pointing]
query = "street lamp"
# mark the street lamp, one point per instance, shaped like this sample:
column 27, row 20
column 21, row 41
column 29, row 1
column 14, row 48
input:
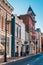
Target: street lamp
column 5, row 58
column 6, row 22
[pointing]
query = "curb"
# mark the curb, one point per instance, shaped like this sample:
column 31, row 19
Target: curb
column 18, row 59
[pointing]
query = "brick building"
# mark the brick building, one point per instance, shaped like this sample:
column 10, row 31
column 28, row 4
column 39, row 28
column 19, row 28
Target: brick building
column 29, row 21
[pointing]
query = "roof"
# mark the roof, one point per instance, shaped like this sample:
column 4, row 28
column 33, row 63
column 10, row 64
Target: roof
column 30, row 9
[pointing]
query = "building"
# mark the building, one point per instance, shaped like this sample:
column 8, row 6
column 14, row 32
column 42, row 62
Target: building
column 38, row 39
column 18, row 39
column 5, row 7
column 41, row 42
column 29, row 21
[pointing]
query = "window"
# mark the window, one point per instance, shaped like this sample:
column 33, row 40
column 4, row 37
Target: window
column 2, row 22
column 0, row 17
column 30, row 27
column 8, row 28
column 8, row 44
column 33, row 17
column 18, row 31
column 0, row 10
column 3, row 39
column 0, row 14
column 3, row 42
column 3, row 0
column 26, row 36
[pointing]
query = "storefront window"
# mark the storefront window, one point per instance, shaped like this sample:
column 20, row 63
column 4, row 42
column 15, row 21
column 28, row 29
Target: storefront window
column 3, row 42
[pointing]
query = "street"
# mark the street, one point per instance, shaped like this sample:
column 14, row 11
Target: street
column 34, row 60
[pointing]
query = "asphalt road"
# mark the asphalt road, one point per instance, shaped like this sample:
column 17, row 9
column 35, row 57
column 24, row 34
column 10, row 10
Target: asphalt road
column 34, row 60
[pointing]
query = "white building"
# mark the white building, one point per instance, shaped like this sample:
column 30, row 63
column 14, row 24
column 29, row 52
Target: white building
column 38, row 39
column 19, row 36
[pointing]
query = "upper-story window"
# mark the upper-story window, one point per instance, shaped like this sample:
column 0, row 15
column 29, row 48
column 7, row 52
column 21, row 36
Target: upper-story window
column 26, row 36
column 33, row 17
column 0, row 9
column 30, row 28
column 2, row 22
column 18, row 31
column 0, row 18
column 8, row 28
column 3, row 0
column 0, row 14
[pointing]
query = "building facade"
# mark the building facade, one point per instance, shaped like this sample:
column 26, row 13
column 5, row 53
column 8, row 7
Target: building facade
column 29, row 21
column 38, row 45
column 22, row 39
column 5, row 7
column 41, row 42
column 19, row 37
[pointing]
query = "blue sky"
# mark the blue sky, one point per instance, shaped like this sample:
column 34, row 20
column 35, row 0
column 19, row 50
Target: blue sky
column 21, row 7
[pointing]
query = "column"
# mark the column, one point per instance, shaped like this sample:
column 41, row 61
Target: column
column 24, row 48
column 19, row 50
column 0, row 41
column 30, row 49
column 10, row 46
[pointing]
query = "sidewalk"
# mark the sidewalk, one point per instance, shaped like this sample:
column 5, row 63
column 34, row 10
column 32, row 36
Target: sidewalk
column 12, row 59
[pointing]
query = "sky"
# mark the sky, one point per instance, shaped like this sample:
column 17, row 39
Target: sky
column 21, row 7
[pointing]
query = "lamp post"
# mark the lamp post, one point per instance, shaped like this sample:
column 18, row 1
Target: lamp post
column 6, row 22
column 5, row 56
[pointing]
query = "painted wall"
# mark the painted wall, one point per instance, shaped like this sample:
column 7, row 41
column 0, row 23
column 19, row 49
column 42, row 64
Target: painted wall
column 21, row 40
